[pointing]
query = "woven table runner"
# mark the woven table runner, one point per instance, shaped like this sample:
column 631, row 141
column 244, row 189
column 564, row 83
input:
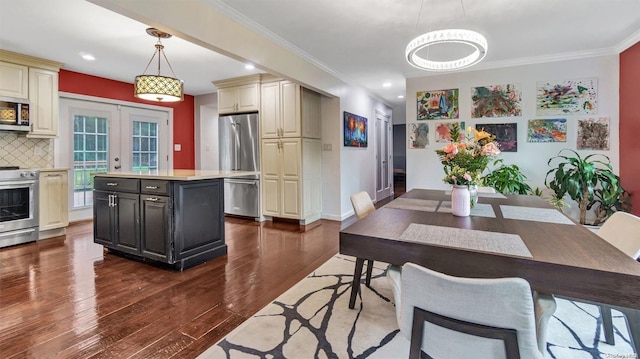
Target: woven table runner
column 494, row 242
column 426, row 205
column 479, row 210
column 549, row 215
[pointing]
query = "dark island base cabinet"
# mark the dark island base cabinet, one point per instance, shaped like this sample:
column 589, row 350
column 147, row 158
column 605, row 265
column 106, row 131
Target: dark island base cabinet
column 175, row 223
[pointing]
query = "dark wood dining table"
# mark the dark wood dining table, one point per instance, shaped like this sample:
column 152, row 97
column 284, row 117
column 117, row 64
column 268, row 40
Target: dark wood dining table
column 566, row 259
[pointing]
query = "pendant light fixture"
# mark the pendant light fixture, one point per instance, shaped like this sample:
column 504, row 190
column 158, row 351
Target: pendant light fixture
column 157, row 87
column 475, row 40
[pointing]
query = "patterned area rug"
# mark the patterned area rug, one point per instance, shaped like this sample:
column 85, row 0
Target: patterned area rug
column 312, row 320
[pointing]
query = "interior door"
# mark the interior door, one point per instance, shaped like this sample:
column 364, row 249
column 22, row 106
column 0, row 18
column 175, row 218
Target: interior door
column 383, row 156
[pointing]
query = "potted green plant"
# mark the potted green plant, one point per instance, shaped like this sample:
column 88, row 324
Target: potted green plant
column 590, row 181
column 507, row 179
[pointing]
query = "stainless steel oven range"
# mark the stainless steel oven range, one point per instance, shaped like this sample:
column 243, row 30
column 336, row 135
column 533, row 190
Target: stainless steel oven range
column 18, row 205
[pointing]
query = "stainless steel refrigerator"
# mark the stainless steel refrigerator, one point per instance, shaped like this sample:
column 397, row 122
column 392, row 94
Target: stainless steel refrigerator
column 239, row 150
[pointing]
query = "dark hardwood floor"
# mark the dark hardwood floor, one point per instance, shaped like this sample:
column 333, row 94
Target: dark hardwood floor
column 65, row 297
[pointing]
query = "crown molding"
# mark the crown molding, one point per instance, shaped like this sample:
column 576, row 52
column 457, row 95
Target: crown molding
column 628, row 42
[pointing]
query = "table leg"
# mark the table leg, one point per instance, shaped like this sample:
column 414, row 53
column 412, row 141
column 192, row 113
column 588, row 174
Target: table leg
column 355, row 286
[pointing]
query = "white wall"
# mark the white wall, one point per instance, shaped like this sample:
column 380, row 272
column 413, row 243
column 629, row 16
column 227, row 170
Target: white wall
column 358, row 165
column 331, row 136
column 206, row 132
column 425, row 171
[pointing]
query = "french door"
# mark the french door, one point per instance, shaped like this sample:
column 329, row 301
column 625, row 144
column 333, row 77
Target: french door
column 111, row 138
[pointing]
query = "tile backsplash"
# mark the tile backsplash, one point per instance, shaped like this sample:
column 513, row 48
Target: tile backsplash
column 25, row 152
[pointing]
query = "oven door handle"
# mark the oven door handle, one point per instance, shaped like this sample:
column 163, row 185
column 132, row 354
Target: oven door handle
column 8, row 185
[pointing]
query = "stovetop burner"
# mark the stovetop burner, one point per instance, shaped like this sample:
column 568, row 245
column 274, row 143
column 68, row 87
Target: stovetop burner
column 4, row 168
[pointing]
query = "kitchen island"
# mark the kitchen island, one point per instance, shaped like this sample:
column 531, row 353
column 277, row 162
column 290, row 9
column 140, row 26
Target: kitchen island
column 173, row 218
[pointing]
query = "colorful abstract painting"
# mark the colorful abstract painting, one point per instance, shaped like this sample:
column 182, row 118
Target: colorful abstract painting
column 355, row 130
column 567, row 97
column 443, row 131
column 593, row 134
column 418, row 135
column 434, row 105
column 496, row 101
column 506, row 134
column 550, row 130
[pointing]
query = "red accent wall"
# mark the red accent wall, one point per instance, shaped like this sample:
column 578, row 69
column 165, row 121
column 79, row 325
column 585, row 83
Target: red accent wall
column 630, row 124
column 183, row 112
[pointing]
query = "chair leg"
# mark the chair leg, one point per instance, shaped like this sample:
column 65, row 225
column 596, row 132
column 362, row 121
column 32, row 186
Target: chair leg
column 607, row 324
column 369, row 273
column 633, row 324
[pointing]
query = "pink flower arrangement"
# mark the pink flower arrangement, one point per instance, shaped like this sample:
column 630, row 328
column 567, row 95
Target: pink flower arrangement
column 464, row 161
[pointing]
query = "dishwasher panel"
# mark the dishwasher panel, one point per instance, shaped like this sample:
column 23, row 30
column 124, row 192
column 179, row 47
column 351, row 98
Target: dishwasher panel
column 242, row 197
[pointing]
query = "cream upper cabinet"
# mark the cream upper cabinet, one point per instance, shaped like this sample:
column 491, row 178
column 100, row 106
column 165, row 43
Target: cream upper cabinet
column 243, row 98
column 239, row 94
column 270, row 110
column 54, row 202
column 43, row 98
column 36, row 79
column 14, row 80
column 289, row 110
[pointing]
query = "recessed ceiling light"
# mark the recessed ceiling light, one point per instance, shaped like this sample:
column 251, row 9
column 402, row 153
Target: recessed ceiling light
column 87, row 56
column 249, row 67
column 386, row 84
column 400, row 96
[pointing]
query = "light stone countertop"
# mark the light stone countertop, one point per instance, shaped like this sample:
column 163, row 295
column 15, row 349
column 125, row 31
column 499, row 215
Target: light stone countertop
column 52, row 169
column 179, row 175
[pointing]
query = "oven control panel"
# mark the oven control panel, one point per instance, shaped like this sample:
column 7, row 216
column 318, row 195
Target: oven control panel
column 29, row 174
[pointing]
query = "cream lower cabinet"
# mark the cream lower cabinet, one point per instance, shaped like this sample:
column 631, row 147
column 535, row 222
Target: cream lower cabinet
column 54, row 201
column 291, row 186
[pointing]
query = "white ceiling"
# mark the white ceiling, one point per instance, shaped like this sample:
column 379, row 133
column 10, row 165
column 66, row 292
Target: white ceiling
column 360, row 41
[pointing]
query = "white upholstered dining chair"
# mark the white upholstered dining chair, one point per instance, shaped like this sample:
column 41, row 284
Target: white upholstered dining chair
column 452, row 317
column 363, row 206
column 622, row 230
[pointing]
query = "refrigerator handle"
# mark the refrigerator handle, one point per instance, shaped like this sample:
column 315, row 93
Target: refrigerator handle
column 237, row 145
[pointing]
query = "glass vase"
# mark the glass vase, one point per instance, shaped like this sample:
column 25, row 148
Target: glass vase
column 473, row 192
column 460, row 201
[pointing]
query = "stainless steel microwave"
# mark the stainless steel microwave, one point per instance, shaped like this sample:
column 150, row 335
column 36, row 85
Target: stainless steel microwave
column 14, row 114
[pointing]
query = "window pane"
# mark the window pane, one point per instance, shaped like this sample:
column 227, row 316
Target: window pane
column 145, row 146
column 90, row 125
column 102, row 143
column 102, row 125
column 78, row 124
column 90, row 143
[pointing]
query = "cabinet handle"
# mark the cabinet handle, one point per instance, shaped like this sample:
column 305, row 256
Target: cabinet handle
column 112, row 200
column 112, row 183
column 151, row 187
column 152, row 199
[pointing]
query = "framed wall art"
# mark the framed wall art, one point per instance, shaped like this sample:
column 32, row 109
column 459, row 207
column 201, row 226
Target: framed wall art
column 418, row 134
column 443, row 131
column 566, row 97
column 593, row 134
column 496, row 101
column 506, row 134
column 355, row 130
column 440, row 104
column 547, row 130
